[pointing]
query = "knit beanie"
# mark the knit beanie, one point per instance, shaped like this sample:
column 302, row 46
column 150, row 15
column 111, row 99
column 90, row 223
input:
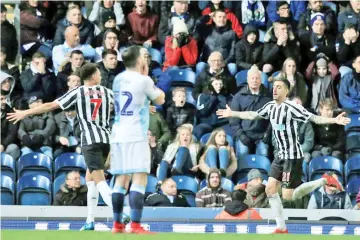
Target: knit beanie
column 321, row 63
column 179, row 26
column 316, row 16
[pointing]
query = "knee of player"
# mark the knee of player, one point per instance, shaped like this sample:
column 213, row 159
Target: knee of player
column 270, row 189
column 287, row 194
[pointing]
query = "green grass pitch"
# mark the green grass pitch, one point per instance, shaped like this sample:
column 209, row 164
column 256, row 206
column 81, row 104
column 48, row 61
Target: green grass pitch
column 95, row 235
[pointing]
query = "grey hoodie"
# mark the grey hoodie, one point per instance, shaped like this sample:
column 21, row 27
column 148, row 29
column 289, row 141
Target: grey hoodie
column 4, row 76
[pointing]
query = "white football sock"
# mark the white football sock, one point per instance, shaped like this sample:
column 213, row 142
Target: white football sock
column 307, row 188
column 92, row 200
column 105, row 192
column 277, row 207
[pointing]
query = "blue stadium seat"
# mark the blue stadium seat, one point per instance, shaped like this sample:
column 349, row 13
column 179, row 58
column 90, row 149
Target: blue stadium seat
column 254, row 161
column 241, row 78
column 225, row 184
column 354, row 125
column 35, row 164
column 7, row 190
column 189, row 98
column 319, row 165
column 353, row 142
column 151, row 184
column 61, row 180
column 8, row 166
column 205, row 138
column 156, row 55
column 33, row 190
column 352, row 168
column 67, row 162
column 182, row 77
column 352, row 188
column 188, row 186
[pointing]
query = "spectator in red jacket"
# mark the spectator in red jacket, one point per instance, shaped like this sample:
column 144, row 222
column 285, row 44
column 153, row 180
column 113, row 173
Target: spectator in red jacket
column 180, row 49
column 217, row 4
column 143, row 24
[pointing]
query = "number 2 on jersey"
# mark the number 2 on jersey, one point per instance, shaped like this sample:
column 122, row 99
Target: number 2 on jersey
column 123, row 111
column 97, row 103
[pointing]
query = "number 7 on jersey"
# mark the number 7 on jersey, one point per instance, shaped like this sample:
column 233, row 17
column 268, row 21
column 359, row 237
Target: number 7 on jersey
column 97, row 103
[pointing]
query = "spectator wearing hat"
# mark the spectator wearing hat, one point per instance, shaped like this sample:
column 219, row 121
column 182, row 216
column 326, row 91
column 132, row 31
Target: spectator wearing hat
column 279, row 44
column 251, row 136
column 213, row 195
column 350, row 87
column 143, row 24
column 102, row 6
column 329, row 139
column 10, row 89
column 109, row 23
column 36, row 132
column 284, row 13
column 75, row 19
column 249, row 50
column 67, row 137
column 347, row 47
column 318, row 41
column 8, row 36
column 230, row 16
column 316, row 6
column 296, row 8
column 351, row 14
column 39, row 79
column 71, row 193
column 255, row 188
column 72, row 42
column 180, row 49
column 238, row 209
column 330, row 197
column 168, row 197
column 9, row 131
column 110, row 43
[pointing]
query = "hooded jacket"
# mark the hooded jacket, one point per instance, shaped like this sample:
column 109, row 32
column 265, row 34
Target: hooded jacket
column 276, row 55
column 349, row 91
column 244, row 100
column 68, row 197
column 15, row 93
column 247, row 54
column 238, row 210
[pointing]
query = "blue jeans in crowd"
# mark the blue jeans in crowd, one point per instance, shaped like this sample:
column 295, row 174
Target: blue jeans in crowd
column 181, row 165
column 217, row 158
column 45, row 150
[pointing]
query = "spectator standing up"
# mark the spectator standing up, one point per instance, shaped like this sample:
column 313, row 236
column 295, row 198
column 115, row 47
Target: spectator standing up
column 251, row 136
column 8, row 131
column 71, row 193
column 213, row 195
column 329, row 139
column 180, row 156
column 8, row 36
column 218, row 154
column 168, row 197
column 252, row 13
column 181, row 50
column 143, row 25
column 104, row 6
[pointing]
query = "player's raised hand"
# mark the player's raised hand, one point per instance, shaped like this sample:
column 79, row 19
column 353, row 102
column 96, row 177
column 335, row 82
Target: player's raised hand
column 342, row 120
column 224, row 113
column 16, row 116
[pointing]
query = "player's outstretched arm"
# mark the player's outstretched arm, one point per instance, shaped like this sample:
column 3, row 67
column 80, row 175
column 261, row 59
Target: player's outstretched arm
column 340, row 120
column 160, row 100
column 226, row 113
column 18, row 115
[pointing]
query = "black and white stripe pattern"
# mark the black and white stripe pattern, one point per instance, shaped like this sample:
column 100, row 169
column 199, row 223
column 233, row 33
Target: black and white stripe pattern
column 283, row 119
column 93, row 111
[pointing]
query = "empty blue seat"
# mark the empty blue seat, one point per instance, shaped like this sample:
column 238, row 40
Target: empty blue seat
column 320, row 165
column 7, row 190
column 188, row 186
column 205, row 138
column 352, row 188
column 182, row 77
column 61, row 180
column 156, row 55
column 254, row 161
column 35, row 164
column 8, row 166
column 354, row 125
column 241, row 78
column 352, row 168
column 353, row 142
column 69, row 161
column 33, row 190
column 151, row 184
column 225, row 184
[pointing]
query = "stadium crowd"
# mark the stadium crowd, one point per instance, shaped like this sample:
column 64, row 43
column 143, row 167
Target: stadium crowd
column 216, row 53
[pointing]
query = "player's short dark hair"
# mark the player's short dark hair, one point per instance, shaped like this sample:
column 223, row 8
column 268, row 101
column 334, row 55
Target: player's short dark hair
column 238, row 195
column 87, row 70
column 283, row 80
column 130, row 56
column 107, row 52
column 76, row 52
column 38, row 55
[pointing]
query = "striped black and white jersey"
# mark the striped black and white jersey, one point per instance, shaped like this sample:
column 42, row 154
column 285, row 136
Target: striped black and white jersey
column 284, row 121
column 93, row 111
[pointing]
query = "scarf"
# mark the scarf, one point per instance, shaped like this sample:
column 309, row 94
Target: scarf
column 252, row 10
column 320, row 90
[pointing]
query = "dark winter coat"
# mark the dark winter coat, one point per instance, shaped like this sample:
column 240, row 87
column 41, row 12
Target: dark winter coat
column 161, row 200
column 330, row 136
column 346, row 53
column 348, row 16
column 8, row 129
column 177, row 116
column 9, row 40
column 68, row 197
column 86, row 29
column 108, row 75
column 325, row 44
